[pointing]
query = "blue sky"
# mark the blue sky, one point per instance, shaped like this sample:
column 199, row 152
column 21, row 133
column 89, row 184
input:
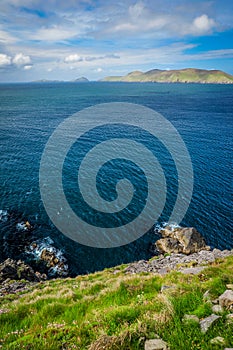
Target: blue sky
column 66, row 39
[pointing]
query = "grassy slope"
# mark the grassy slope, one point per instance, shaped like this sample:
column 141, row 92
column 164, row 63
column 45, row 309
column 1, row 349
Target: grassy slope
column 120, row 310
column 182, row 75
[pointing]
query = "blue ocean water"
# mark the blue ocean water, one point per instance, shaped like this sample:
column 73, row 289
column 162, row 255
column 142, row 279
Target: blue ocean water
column 202, row 114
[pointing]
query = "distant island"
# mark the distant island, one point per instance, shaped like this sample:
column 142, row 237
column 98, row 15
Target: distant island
column 81, row 80
column 187, row 75
column 78, row 80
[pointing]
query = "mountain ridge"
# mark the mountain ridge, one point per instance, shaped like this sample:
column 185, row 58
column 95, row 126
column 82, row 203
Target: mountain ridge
column 185, row 75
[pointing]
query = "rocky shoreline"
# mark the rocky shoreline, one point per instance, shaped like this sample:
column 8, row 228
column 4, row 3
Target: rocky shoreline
column 179, row 248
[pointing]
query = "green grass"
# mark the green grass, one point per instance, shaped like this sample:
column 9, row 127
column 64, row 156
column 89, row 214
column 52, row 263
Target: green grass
column 116, row 311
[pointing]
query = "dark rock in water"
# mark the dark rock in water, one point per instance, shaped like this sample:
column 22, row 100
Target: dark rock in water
column 185, row 240
column 48, row 258
column 18, row 270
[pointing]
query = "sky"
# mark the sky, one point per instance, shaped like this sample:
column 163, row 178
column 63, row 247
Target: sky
column 67, row 39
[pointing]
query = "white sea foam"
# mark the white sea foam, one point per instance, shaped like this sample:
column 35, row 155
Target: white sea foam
column 161, row 226
column 3, row 215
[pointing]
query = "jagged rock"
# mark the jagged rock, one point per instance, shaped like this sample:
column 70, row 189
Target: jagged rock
column 49, row 257
column 226, row 299
column 207, row 322
column 184, row 240
column 17, row 270
column 192, row 318
column 217, row 309
column 217, row 341
column 156, row 344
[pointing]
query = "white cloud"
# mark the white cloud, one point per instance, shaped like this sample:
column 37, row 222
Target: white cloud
column 4, row 60
column 21, row 60
column 73, row 58
column 28, row 67
column 203, row 24
column 54, row 34
column 99, row 70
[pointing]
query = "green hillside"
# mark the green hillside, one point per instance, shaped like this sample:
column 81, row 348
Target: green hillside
column 187, row 75
column 116, row 310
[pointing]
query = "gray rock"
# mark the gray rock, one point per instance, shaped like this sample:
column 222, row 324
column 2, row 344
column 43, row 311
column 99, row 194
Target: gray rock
column 193, row 270
column 207, row 322
column 156, row 344
column 217, row 341
column 217, row 309
column 192, row 318
column 226, row 299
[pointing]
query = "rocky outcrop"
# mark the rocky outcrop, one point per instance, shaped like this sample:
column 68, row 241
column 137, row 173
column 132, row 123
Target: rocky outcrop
column 16, row 276
column 192, row 263
column 185, row 240
column 17, row 270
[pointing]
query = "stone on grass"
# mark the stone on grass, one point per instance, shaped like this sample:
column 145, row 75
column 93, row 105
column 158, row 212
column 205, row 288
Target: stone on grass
column 217, row 341
column 207, row 322
column 192, row 318
column 192, row 270
column 156, row 344
column 226, row 299
column 217, row 309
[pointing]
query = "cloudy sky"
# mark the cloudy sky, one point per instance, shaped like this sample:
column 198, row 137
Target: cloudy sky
column 66, row 39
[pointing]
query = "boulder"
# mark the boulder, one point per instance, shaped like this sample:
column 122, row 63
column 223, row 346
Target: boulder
column 185, row 240
column 226, row 299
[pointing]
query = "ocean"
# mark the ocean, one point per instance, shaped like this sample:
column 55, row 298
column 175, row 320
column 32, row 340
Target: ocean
column 201, row 113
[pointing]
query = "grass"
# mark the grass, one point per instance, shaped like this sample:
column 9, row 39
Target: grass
column 116, row 311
